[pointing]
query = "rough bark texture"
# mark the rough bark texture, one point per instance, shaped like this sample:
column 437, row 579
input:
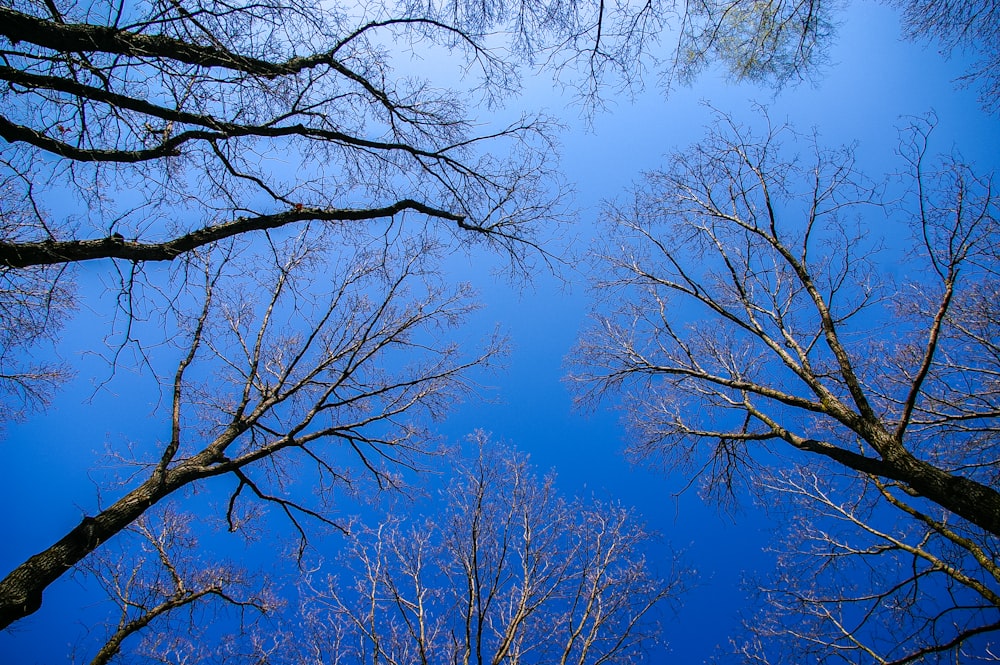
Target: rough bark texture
column 21, row 591
column 966, row 498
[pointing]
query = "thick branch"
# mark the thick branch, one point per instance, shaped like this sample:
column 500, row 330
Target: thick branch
column 82, row 37
column 21, row 591
column 12, row 133
column 967, row 498
column 22, row 255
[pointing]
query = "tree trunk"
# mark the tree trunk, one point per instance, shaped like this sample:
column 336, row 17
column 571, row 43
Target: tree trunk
column 21, row 591
column 969, row 499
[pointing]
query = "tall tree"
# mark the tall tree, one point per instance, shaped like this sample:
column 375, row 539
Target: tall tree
column 506, row 571
column 760, row 320
column 142, row 132
column 284, row 385
column 292, row 141
column 173, row 124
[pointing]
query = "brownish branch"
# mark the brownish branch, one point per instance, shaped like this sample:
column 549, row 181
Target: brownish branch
column 22, row 255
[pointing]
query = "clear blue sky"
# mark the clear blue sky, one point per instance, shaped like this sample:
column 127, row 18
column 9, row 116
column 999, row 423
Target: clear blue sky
column 872, row 81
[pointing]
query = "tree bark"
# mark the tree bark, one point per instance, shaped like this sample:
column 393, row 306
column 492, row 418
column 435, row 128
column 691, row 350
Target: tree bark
column 967, row 498
column 63, row 37
column 21, row 590
column 22, row 255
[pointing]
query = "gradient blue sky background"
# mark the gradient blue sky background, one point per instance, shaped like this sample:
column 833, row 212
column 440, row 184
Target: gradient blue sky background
column 873, row 80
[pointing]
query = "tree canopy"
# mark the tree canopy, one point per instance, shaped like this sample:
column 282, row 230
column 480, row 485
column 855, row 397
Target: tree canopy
column 749, row 324
column 506, row 570
column 271, row 196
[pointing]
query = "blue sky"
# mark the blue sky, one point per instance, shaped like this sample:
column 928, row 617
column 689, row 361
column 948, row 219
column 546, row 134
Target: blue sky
column 874, row 80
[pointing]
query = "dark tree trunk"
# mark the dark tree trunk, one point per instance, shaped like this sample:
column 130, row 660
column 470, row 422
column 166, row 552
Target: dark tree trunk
column 969, row 499
column 21, row 590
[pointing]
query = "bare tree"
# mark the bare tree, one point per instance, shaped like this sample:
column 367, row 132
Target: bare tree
column 759, row 320
column 144, row 132
column 211, row 132
column 172, row 123
column 506, row 571
column 288, row 377
column 166, row 595
column 868, row 573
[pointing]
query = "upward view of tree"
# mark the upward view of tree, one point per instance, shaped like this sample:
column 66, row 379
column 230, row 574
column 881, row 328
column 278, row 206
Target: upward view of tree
column 768, row 42
column 506, row 572
column 168, row 598
column 755, row 325
column 300, row 187
column 188, row 107
column 961, row 28
column 143, row 132
column 290, row 380
column 267, row 192
column 158, row 128
column 778, row 42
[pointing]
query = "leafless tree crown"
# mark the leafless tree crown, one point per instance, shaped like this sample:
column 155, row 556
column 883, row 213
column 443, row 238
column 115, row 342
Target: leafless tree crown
column 168, row 597
column 293, row 386
column 506, row 571
column 760, row 322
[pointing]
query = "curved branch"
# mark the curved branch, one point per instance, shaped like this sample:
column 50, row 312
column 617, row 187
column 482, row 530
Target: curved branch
column 181, row 598
column 22, row 255
column 62, row 37
column 13, row 133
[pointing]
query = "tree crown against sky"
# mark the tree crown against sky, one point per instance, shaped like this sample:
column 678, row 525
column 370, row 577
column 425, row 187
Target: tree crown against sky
column 207, row 142
column 777, row 43
column 749, row 321
column 171, row 599
column 143, row 132
column 501, row 568
column 506, row 570
column 256, row 136
column 296, row 372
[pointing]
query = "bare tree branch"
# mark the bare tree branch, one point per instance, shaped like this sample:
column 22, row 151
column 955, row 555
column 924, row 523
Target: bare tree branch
column 343, row 380
column 746, row 314
column 506, row 572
